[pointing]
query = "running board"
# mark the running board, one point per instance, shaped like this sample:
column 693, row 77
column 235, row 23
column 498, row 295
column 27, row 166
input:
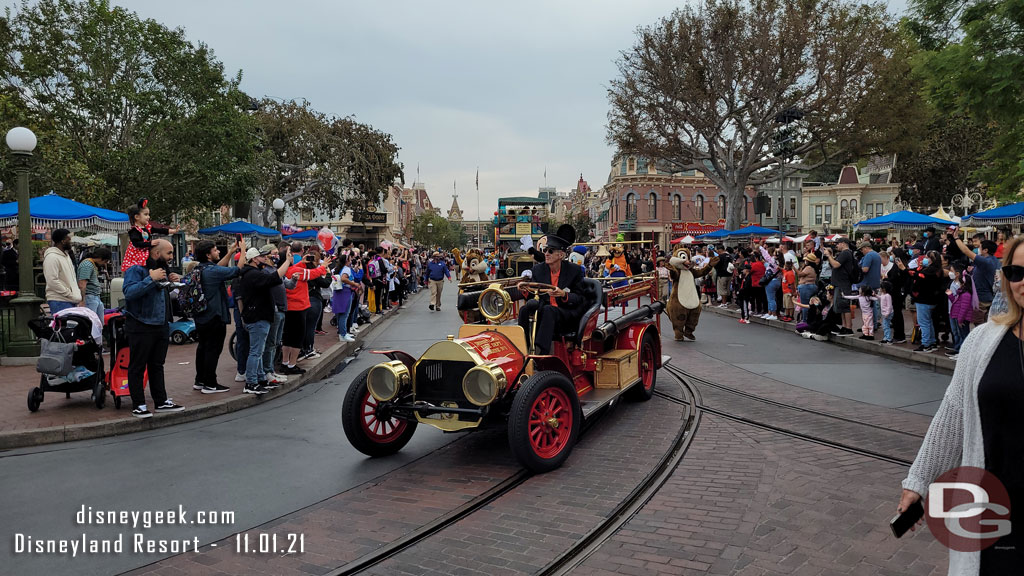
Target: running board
column 597, row 398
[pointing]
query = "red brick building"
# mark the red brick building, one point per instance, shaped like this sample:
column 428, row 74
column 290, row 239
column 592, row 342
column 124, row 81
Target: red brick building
column 648, row 202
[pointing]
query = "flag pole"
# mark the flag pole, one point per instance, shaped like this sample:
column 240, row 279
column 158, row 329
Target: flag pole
column 478, row 220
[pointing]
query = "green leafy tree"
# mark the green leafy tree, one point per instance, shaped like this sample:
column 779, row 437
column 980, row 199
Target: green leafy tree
column 434, row 231
column 332, row 164
column 974, row 54
column 731, row 88
column 943, row 163
column 125, row 108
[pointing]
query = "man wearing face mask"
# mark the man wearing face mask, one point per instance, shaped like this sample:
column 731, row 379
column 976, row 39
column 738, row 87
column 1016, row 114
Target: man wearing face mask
column 148, row 311
column 931, row 241
column 984, row 274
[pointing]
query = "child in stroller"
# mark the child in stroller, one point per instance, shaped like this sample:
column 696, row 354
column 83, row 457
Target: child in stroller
column 73, row 361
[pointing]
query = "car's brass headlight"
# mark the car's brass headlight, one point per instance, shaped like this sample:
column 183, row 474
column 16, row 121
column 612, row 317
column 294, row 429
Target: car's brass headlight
column 482, row 384
column 495, row 303
column 387, row 379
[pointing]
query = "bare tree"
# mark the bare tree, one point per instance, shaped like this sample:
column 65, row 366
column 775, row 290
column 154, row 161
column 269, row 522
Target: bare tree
column 710, row 87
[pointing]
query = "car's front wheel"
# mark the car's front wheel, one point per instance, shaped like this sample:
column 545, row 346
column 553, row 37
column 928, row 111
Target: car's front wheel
column 544, row 422
column 369, row 426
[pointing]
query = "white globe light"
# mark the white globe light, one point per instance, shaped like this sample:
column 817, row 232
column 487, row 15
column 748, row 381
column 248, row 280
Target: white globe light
column 278, row 204
column 21, row 140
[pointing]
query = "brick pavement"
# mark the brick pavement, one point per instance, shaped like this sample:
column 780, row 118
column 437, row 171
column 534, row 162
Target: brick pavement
column 750, row 502
column 530, row 526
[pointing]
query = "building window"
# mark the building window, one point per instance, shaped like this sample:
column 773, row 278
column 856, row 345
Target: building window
column 792, row 207
column 652, row 206
column 677, row 207
column 844, row 209
column 746, row 209
column 698, row 207
column 878, row 209
column 869, row 210
column 828, row 213
column 781, row 213
column 631, row 206
column 768, row 214
column 721, row 206
column 853, row 208
column 818, row 208
column 631, row 165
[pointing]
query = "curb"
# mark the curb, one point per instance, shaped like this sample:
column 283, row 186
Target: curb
column 937, row 363
column 56, row 434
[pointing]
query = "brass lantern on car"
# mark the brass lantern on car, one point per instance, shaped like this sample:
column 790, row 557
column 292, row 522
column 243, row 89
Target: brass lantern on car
column 495, row 304
column 482, row 384
column 386, row 380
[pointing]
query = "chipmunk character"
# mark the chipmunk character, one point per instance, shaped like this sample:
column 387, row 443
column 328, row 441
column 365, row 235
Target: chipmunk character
column 474, row 267
column 683, row 304
column 616, row 265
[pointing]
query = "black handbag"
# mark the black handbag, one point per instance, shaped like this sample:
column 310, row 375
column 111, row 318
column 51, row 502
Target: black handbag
column 767, row 278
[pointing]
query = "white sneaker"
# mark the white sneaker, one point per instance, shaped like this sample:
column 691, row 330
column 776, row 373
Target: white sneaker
column 348, row 338
column 274, row 378
column 239, row 377
column 771, row 317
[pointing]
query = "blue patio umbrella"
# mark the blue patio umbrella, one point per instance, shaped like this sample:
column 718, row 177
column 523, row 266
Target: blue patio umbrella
column 902, row 220
column 240, row 227
column 53, row 211
column 750, row 232
column 1009, row 214
column 716, row 235
column 304, row 235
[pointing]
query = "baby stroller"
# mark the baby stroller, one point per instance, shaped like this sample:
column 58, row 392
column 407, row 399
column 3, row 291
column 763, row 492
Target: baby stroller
column 71, row 360
column 117, row 378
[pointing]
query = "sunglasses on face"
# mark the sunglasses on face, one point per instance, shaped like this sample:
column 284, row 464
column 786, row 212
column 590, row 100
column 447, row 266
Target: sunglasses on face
column 1013, row 273
column 551, row 250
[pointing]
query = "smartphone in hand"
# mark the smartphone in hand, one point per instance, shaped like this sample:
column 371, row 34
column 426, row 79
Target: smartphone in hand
column 903, row 522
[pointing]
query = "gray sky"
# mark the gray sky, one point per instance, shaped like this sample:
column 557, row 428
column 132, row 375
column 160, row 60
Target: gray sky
column 510, row 87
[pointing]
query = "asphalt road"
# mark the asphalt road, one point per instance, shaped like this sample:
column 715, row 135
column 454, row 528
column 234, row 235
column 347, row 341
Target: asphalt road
column 259, row 464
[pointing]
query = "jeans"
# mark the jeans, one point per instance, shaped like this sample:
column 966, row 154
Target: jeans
column 147, row 349
column 806, row 291
column 924, row 319
column 254, row 371
column 93, row 302
column 241, row 343
column 771, row 291
column 353, row 311
column 876, row 307
column 273, row 341
column 960, row 332
column 211, row 344
column 887, row 327
column 58, row 305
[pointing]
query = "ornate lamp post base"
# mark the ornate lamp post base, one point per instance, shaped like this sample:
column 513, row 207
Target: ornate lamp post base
column 23, row 342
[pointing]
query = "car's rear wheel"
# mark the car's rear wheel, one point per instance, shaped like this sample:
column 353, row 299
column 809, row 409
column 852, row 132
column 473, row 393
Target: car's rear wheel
column 648, row 370
column 544, row 421
column 369, row 426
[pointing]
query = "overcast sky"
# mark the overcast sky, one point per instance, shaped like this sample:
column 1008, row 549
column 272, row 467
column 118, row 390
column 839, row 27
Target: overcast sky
column 511, row 87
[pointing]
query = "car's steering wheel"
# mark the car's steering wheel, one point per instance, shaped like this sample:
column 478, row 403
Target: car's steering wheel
column 538, row 288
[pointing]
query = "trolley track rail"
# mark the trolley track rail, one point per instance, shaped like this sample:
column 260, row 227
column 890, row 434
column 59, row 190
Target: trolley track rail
column 792, row 433
column 635, row 500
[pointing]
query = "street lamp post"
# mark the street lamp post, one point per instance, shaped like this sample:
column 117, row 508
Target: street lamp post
column 430, row 233
column 22, row 142
column 279, row 211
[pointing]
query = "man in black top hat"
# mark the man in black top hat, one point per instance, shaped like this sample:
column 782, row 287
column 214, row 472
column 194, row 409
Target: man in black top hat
column 559, row 312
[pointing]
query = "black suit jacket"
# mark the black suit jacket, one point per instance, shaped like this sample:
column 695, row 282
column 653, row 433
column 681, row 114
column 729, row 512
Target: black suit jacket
column 571, row 277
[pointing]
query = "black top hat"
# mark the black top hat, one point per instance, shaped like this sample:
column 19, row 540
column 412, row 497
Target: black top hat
column 561, row 240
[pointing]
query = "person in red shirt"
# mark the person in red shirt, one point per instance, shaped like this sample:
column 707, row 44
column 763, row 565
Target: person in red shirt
column 757, row 271
column 788, row 289
column 295, row 317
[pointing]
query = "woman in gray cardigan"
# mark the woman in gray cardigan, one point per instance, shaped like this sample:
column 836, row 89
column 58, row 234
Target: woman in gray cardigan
column 979, row 422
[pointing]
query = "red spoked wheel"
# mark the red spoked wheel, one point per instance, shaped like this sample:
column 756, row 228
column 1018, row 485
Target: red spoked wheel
column 370, row 426
column 647, row 355
column 544, row 421
column 377, row 429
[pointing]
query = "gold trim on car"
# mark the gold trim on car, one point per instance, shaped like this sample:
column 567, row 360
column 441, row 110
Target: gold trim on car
column 387, row 379
column 499, row 315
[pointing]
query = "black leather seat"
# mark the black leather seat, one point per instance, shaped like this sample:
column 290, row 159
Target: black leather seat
column 469, row 300
column 593, row 295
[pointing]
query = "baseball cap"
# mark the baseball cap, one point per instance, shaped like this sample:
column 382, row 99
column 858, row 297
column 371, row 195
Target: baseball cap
column 252, row 253
column 863, row 244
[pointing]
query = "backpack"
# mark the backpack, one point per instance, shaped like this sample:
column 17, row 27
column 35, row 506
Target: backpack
column 191, row 297
column 373, row 269
column 856, row 273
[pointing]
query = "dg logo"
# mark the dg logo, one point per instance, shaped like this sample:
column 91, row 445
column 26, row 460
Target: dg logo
column 968, row 509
